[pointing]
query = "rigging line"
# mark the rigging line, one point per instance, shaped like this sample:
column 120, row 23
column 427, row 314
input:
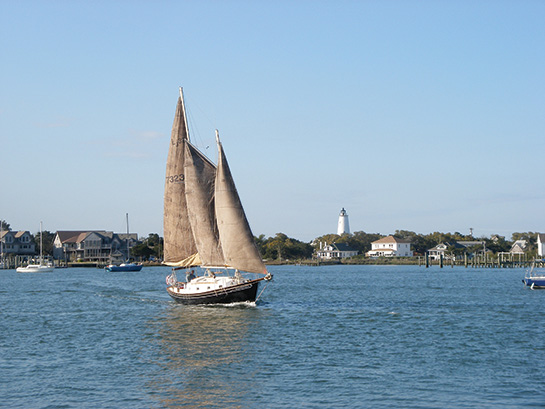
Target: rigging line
column 193, row 128
column 263, row 289
column 197, row 140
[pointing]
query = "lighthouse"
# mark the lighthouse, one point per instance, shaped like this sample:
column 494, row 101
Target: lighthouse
column 343, row 226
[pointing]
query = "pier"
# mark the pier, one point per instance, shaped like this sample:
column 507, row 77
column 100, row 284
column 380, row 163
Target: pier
column 502, row 260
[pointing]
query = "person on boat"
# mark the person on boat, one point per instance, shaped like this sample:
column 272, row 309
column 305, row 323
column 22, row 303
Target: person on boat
column 190, row 276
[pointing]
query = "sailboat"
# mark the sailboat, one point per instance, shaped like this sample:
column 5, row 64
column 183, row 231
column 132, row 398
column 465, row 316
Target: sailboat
column 125, row 266
column 2, row 262
column 533, row 279
column 37, row 268
column 206, row 232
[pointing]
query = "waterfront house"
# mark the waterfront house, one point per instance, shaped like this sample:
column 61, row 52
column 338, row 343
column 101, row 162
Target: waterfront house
column 390, row 246
column 519, row 247
column 17, row 243
column 441, row 250
column 335, row 250
column 469, row 247
column 97, row 246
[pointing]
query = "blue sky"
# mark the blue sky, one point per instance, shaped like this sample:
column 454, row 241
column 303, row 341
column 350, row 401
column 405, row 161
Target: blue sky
column 416, row 115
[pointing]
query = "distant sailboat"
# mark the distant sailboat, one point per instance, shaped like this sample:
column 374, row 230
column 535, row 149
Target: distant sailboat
column 534, row 279
column 126, row 266
column 2, row 262
column 37, row 268
column 205, row 226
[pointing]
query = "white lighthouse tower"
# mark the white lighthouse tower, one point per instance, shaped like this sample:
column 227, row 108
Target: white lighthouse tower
column 343, row 226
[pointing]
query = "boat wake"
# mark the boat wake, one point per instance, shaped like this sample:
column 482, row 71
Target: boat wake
column 241, row 304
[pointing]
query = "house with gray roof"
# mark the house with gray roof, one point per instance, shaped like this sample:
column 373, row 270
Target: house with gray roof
column 18, row 243
column 519, row 247
column 98, row 246
column 441, row 250
column 335, row 251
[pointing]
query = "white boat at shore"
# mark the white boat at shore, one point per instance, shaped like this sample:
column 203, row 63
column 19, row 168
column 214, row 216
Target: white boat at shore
column 37, row 268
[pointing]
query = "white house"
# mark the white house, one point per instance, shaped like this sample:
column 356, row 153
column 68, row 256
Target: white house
column 439, row 251
column 335, row 250
column 390, row 247
column 436, row 252
column 541, row 244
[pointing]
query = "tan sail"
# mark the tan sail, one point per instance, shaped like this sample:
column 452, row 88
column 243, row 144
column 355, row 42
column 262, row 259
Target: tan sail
column 179, row 244
column 237, row 240
column 200, row 175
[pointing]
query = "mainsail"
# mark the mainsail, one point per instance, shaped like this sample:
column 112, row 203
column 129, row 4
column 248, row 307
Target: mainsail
column 204, row 222
column 179, row 244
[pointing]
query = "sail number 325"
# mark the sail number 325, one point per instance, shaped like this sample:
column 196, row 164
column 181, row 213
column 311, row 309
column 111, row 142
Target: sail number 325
column 176, row 178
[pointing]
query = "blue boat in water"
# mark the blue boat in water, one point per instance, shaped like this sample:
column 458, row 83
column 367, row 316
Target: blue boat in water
column 534, row 280
column 124, row 267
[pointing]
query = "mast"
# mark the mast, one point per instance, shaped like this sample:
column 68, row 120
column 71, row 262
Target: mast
column 184, row 115
column 41, row 243
column 128, row 250
column 1, row 244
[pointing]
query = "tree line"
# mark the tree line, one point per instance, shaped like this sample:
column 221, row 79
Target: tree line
column 281, row 247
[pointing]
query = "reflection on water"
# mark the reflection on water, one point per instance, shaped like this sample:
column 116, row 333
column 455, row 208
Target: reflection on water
column 206, row 356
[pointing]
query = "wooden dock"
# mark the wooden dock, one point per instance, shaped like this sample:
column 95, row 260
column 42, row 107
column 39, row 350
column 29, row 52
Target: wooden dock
column 481, row 261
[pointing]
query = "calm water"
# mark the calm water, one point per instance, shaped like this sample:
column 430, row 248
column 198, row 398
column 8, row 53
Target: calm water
column 328, row 337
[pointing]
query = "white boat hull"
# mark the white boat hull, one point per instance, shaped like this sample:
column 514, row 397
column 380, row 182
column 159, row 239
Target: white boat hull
column 35, row 268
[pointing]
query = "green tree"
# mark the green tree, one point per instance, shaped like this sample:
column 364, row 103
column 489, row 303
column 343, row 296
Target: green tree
column 282, row 247
column 497, row 244
column 47, row 242
column 275, row 246
column 361, row 241
column 152, row 246
column 260, row 243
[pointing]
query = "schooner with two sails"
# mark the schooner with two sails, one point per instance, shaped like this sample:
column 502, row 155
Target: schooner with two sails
column 205, row 227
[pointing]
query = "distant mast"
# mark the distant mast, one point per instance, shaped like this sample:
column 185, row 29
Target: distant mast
column 343, row 226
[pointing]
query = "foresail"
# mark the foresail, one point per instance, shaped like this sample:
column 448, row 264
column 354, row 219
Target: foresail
column 178, row 236
column 237, row 240
column 200, row 175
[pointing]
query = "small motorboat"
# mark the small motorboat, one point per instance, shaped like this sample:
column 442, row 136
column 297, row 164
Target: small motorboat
column 124, row 267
